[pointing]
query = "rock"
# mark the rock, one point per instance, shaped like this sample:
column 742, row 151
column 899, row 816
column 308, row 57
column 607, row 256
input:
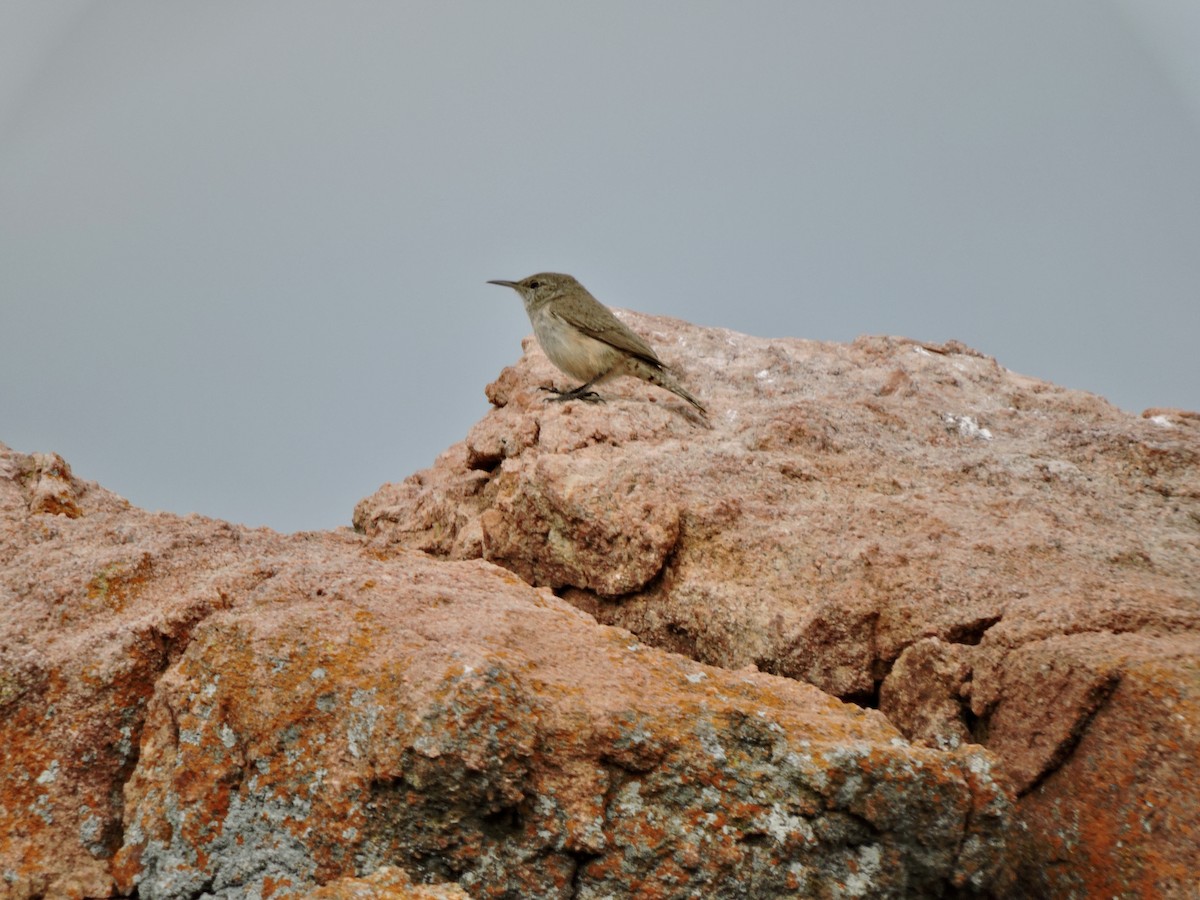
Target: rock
column 191, row 709
column 923, row 694
column 1119, row 815
column 386, row 883
column 46, row 483
column 986, row 556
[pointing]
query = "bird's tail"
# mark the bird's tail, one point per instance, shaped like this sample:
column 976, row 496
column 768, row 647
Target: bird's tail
column 682, row 392
column 664, row 378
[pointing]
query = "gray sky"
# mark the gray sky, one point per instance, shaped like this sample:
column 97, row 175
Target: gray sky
column 243, row 245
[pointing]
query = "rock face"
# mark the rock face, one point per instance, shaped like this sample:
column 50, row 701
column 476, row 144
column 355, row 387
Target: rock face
column 984, row 557
column 191, row 709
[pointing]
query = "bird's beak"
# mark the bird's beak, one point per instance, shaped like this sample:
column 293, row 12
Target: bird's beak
column 511, row 284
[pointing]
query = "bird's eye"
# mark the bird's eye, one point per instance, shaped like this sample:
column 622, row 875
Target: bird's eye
column 535, row 284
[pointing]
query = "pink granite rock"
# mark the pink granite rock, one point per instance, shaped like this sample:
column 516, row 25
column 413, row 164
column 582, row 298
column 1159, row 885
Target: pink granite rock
column 195, row 709
column 386, row 883
column 989, row 557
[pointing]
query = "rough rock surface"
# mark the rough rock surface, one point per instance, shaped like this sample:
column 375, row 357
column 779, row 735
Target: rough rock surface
column 386, row 883
column 984, row 556
column 191, row 709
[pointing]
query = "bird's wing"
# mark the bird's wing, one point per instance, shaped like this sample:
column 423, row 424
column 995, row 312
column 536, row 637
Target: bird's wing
column 599, row 323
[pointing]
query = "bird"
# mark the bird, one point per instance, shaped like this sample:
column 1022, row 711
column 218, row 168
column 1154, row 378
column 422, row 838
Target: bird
column 585, row 340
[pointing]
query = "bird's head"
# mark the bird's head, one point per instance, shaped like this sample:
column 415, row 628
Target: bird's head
column 542, row 288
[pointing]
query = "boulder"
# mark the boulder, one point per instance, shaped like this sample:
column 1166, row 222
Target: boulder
column 985, row 557
column 195, row 709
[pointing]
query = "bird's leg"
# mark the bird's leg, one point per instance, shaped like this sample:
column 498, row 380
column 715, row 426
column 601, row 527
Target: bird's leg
column 583, row 392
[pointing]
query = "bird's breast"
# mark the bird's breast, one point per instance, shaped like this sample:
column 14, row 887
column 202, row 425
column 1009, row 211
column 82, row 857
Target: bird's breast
column 577, row 354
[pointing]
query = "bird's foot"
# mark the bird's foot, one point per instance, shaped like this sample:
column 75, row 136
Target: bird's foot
column 577, row 394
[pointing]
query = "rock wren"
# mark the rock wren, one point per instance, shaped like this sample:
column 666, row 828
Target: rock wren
column 584, row 339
